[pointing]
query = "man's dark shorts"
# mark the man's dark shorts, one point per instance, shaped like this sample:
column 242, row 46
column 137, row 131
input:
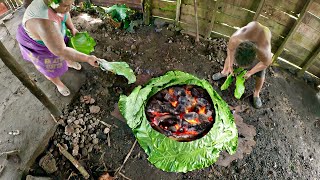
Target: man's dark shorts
column 261, row 74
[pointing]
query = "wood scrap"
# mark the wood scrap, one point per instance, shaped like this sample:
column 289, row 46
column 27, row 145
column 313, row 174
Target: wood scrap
column 197, row 22
column 12, row 152
column 76, row 163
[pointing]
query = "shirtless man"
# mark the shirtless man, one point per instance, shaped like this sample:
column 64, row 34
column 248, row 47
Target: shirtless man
column 249, row 47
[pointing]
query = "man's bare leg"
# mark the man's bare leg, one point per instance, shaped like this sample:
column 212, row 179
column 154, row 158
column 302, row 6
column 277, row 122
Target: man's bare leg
column 256, row 95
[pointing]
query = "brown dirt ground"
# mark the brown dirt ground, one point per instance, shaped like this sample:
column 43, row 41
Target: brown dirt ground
column 287, row 125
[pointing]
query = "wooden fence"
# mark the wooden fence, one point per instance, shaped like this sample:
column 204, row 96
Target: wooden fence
column 8, row 6
column 295, row 24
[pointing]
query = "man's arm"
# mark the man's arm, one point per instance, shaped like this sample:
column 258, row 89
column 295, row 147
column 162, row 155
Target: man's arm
column 228, row 67
column 265, row 61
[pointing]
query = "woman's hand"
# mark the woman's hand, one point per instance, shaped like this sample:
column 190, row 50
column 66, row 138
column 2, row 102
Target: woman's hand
column 93, row 61
column 74, row 31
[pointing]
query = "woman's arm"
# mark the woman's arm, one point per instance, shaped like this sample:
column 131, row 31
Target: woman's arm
column 50, row 34
column 70, row 25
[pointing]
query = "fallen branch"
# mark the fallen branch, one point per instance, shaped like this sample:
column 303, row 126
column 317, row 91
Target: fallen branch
column 108, row 138
column 125, row 160
column 13, row 152
column 124, row 176
column 2, row 167
column 104, row 123
column 73, row 161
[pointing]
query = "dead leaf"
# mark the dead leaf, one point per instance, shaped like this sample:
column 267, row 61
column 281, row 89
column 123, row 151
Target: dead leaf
column 106, row 176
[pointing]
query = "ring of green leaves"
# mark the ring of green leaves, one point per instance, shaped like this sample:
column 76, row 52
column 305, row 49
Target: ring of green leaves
column 168, row 154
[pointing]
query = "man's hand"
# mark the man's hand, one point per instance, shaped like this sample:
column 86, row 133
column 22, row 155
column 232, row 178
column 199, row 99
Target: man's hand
column 247, row 75
column 227, row 72
column 93, row 61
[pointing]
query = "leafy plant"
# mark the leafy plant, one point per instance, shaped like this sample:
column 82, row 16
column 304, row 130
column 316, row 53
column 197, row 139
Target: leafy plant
column 82, row 42
column 240, row 87
column 227, row 83
column 119, row 68
column 120, row 13
column 238, row 92
column 168, row 154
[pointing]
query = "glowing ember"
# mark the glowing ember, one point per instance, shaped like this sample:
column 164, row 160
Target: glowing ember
column 183, row 113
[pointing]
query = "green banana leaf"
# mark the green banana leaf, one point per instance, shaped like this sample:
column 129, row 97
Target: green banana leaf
column 119, row 68
column 82, row 42
column 168, row 154
column 227, row 82
column 240, row 87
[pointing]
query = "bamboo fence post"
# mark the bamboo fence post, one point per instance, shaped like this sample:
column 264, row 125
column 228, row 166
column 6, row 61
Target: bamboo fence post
column 213, row 18
column 292, row 30
column 308, row 62
column 259, row 9
column 178, row 11
column 197, row 22
column 146, row 11
column 17, row 70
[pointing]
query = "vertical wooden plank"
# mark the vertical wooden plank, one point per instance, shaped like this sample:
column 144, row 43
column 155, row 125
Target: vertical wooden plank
column 213, row 18
column 178, row 11
column 146, row 12
column 307, row 63
column 258, row 11
column 293, row 29
column 196, row 18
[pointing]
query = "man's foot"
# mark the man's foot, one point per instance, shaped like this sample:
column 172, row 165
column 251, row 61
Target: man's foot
column 74, row 65
column 257, row 103
column 218, row 76
column 64, row 91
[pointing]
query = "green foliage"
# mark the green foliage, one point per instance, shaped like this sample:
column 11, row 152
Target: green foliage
column 240, row 87
column 168, row 154
column 120, row 13
column 227, row 83
column 119, row 68
column 82, row 42
column 238, row 92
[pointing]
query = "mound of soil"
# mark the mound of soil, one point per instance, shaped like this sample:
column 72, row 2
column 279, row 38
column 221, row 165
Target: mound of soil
column 287, row 130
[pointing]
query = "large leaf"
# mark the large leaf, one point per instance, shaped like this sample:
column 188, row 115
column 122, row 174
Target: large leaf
column 168, row 154
column 82, row 42
column 227, row 82
column 118, row 12
column 238, row 92
column 119, row 68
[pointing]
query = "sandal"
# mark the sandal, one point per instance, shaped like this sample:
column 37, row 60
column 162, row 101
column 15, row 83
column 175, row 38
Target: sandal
column 64, row 91
column 218, row 76
column 75, row 65
column 257, row 103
